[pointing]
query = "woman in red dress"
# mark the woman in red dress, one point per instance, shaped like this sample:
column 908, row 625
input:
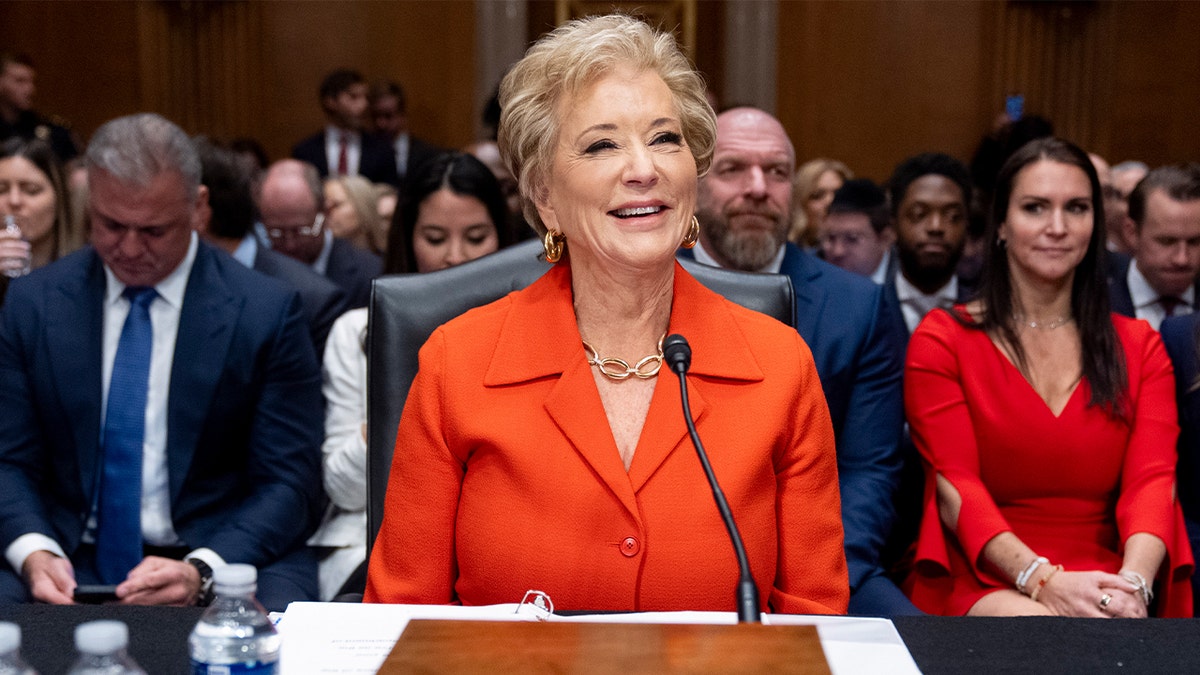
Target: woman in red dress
column 1046, row 424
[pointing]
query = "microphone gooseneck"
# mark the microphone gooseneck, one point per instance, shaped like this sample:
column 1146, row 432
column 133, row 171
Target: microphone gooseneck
column 678, row 355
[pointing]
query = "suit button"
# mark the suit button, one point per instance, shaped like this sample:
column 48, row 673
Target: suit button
column 630, row 547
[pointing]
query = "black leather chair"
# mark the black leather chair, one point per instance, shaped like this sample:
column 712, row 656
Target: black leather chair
column 406, row 308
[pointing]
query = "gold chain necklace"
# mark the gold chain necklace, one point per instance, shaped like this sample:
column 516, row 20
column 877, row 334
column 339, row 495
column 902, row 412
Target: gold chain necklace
column 1044, row 325
column 619, row 369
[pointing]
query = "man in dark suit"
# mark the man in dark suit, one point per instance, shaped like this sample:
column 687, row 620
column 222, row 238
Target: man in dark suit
column 1180, row 335
column 342, row 149
column 1164, row 229
column 162, row 405
column 17, row 116
column 291, row 207
column 929, row 194
column 226, row 223
column 389, row 113
column 744, row 205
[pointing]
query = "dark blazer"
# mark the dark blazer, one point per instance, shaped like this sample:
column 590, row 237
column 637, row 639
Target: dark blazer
column 856, row 346
column 244, row 417
column 1180, row 334
column 353, row 269
column 322, row 300
column 1118, row 285
column 377, row 162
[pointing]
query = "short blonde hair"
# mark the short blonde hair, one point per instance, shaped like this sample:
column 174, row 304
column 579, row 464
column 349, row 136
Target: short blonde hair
column 805, row 180
column 360, row 193
column 571, row 57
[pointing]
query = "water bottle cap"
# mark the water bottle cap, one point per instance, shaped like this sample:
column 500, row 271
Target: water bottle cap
column 10, row 636
column 101, row 637
column 235, row 576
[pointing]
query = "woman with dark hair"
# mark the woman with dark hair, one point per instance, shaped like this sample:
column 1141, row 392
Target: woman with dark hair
column 1047, row 424
column 33, row 191
column 424, row 241
column 453, row 212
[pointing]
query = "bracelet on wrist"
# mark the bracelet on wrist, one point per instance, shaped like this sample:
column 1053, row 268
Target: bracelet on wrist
column 1023, row 577
column 1139, row 581
column 1042, row 582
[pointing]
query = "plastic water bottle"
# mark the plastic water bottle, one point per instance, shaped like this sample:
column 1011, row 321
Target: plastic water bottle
column 11, row 662
column 235, row 636
column 14, row 267
column 101, row 646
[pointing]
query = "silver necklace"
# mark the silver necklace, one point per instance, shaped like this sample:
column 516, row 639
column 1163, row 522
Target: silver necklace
column 1044, row 325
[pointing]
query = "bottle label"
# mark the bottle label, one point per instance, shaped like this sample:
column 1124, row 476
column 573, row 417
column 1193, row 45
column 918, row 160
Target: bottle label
column 247, row 668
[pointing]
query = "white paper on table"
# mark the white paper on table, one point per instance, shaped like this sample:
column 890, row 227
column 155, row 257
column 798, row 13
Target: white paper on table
column 348, row 638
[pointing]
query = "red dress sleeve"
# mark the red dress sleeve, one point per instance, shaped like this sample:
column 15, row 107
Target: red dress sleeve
column 941, row 427
column 1147, row 500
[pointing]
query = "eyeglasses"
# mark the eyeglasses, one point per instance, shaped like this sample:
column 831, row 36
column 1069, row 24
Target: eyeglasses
column 281, row 233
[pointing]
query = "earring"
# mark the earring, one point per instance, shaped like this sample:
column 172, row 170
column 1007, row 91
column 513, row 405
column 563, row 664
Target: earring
column 553, row 244
column 692, row 235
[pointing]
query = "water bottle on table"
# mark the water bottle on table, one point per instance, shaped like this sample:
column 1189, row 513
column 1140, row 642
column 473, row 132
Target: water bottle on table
column 101, row 646
column 235, row 636
column 11, row 662
column 14, row 265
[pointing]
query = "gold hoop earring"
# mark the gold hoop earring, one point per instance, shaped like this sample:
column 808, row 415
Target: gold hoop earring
column 553, row 245
column 693, row 234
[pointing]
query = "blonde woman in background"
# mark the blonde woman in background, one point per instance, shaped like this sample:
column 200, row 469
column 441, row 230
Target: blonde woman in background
column 815, row 182
column 353, row 210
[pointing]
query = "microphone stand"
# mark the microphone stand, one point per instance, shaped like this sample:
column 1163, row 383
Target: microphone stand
column 678, row 355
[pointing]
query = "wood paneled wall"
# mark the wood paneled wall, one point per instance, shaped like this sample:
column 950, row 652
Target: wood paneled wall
column 865, row 82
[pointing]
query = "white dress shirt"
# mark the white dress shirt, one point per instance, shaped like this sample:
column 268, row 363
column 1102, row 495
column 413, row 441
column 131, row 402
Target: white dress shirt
column 344, row 463
column 916, row 304
column 333, row 144
column 400, row 146
column 772, row 267
column 879, row 276
column 1145, row 299
column 157, row 526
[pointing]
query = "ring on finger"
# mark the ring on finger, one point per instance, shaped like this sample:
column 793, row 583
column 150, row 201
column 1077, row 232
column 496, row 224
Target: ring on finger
column 1104, row 600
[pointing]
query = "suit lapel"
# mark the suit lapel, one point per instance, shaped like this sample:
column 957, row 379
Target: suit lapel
column 206, row 326
column 810, row 295
column 75, row 336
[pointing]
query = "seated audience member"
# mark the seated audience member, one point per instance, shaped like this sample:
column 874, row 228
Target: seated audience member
column 33, row 191
column 857, row 233
column 252, row 155
column 814, row 184
column 341, row 148
column 161, row 402
column 1123, row 178
column 1047, row 423
column 292, row 213
column 521, row 425
column 1181, row 335
column 353, row 212
column 929, row 195
column 17, row 116
column 227, row 221
column 489, row 153
column 389, row 116
column 744, row 205
column 453, row 212
column 1163, row 228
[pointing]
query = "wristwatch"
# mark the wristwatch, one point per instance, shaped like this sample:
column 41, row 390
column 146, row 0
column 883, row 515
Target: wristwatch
column 204, row 596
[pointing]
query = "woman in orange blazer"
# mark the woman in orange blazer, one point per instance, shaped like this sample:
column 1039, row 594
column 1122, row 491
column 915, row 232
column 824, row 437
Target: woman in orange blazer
column 531, row 455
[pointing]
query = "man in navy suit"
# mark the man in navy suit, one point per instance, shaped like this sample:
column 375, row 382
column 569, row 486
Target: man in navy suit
column 341, row 148
column 227, row 223
column 1163, row 227
column 291, row 205
column 230, row 437
column 744, row 205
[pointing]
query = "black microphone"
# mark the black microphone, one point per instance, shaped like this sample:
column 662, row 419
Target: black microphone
column 678, row 355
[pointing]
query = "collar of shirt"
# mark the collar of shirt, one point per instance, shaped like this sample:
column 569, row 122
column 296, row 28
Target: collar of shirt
column 170, row 289
column 1143, row 294
column 400, row 145
column 773, row 267
column 916, row 304
column 247, row 251
column 333, row 137
column 322, row 262
column 879, row 276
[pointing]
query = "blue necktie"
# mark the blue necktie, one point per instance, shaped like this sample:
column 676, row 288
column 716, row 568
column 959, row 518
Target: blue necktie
column 119, row 527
